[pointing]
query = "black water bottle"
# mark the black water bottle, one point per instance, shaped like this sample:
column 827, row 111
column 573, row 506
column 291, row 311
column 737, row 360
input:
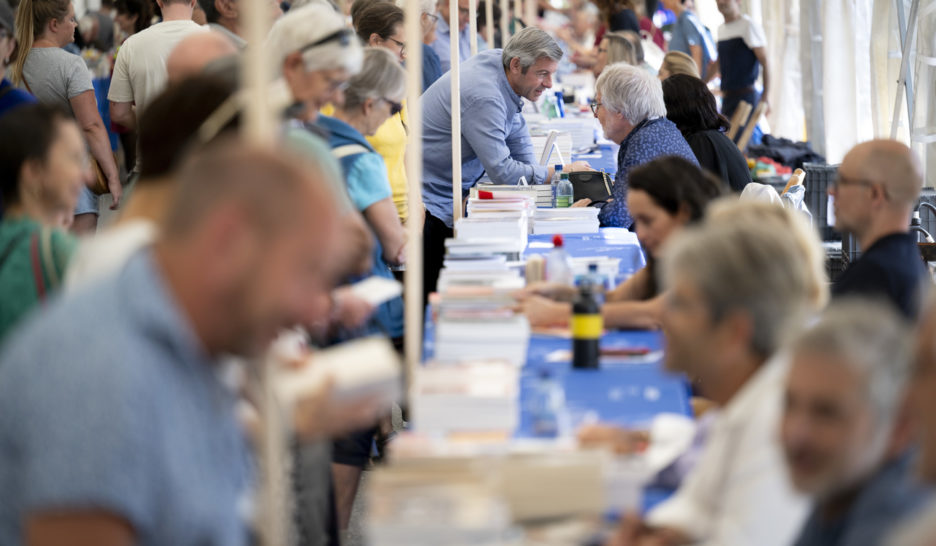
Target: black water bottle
column 587, row 325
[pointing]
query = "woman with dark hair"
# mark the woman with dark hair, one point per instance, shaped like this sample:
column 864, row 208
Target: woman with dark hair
column 42, row 167
column 691, row 106
column 133, row 15
column 665, row 195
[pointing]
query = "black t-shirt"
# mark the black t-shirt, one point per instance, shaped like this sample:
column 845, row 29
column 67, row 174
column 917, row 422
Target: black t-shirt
column 892, row 268
column 719, row 155
column 625, row 19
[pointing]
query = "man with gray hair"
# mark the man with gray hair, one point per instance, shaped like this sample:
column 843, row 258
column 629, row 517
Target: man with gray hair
column 495, row 138
column 735, row 286
column 629, row 105
column 875, row 192
column 846, row 430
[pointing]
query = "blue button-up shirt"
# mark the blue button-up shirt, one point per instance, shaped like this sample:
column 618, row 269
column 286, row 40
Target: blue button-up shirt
column 443, row 43
column 108, row 400
column 495, row 137
column 649, row 140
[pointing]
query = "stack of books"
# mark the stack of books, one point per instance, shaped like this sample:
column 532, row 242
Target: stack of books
column 566, row 220
column 542, row 194
column 477, row 321
column 468, row 398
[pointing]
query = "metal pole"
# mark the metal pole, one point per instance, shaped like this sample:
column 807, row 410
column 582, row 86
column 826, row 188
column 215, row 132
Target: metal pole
column 905, row 70
column 456, row 113
column 259, row 129
column 412, row 277
column 489, row 26
column 505, row 21
column 473, row 26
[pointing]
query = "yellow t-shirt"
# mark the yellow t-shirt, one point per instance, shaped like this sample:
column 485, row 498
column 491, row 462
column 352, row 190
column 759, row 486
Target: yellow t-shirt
column 390, row 143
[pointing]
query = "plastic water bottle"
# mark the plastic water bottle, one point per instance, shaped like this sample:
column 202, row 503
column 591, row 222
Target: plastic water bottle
column 587, row 325
column 546, row 406
column 560, row 107
column 559, row 264
column 554, row 181
column 564, row 192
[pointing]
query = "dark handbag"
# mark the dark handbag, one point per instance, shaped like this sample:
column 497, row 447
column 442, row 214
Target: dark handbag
column 594, row 185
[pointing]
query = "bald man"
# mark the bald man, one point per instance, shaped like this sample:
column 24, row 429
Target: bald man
column 99, row 451
column 875, row 193
column 195, row 52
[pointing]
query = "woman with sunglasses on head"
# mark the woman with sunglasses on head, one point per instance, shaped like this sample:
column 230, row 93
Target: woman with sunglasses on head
column 371, row 98
column 381, row 25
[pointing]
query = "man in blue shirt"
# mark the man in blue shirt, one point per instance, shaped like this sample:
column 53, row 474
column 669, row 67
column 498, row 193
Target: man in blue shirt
column 495, row 138
column 443, row 41
column 874, row 194
column 845, row 429
column 115, row 427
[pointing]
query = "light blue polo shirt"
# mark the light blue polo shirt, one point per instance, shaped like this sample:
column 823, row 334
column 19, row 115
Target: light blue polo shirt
column 108, row 402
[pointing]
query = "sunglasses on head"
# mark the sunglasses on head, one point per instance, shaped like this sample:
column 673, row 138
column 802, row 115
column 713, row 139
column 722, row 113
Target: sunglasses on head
column 342, row 36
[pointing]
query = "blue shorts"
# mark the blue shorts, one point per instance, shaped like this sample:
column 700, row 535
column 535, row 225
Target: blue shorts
column 87, row 202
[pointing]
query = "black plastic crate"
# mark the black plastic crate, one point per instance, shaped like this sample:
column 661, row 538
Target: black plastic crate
column 818, row 179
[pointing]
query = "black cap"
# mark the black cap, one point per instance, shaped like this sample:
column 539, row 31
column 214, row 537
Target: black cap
column 6, row 17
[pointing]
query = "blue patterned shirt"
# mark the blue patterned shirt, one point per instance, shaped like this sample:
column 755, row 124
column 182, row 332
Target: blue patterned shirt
column 109, row 401
column 649, row 140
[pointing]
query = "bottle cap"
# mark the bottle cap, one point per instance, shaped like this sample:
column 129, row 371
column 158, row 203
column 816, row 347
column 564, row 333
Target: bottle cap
column 557, row 167
column 592, row 268
column 557, row 240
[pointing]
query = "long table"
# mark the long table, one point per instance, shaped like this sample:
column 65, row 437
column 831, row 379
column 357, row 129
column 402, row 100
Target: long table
column 626, row 394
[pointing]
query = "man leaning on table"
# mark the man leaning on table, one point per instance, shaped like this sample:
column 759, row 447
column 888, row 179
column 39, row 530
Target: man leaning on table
column 495, row 138
column 736, row 285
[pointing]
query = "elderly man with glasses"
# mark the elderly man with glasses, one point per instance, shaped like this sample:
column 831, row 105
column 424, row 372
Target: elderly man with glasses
column 874, row 195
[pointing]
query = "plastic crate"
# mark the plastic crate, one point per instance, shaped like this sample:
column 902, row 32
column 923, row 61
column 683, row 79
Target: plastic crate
column 818, row 179
column 927, row 216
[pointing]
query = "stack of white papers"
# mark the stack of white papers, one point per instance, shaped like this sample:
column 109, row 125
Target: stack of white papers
column 474, row 333
column 509, row 225
column 479, row 396
column 566, row 220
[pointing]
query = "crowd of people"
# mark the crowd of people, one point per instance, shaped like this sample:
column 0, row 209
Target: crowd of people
column 131, row 352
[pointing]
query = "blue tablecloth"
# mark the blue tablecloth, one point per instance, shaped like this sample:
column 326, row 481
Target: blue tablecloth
column 627, row 394
column 610, row 242
column 607, row 162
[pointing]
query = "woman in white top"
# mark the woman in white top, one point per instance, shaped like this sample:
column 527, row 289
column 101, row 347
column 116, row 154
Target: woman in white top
column 57, row 77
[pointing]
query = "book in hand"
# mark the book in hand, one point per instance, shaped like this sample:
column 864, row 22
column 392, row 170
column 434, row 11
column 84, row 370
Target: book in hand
column 362, row 368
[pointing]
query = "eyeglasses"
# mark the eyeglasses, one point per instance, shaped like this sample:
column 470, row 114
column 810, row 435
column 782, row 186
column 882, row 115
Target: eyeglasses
column 395, row 107
column 841, row 180
column 399, row 43
column 594, row 108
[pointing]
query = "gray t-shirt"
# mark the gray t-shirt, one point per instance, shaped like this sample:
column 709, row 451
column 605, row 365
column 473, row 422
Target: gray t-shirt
column 56, row 76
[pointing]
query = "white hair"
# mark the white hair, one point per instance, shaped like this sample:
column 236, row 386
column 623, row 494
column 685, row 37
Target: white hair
column 301, row 27
column 530, row 45
column 631, row 91
column 744, row 265
column 381, row 76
